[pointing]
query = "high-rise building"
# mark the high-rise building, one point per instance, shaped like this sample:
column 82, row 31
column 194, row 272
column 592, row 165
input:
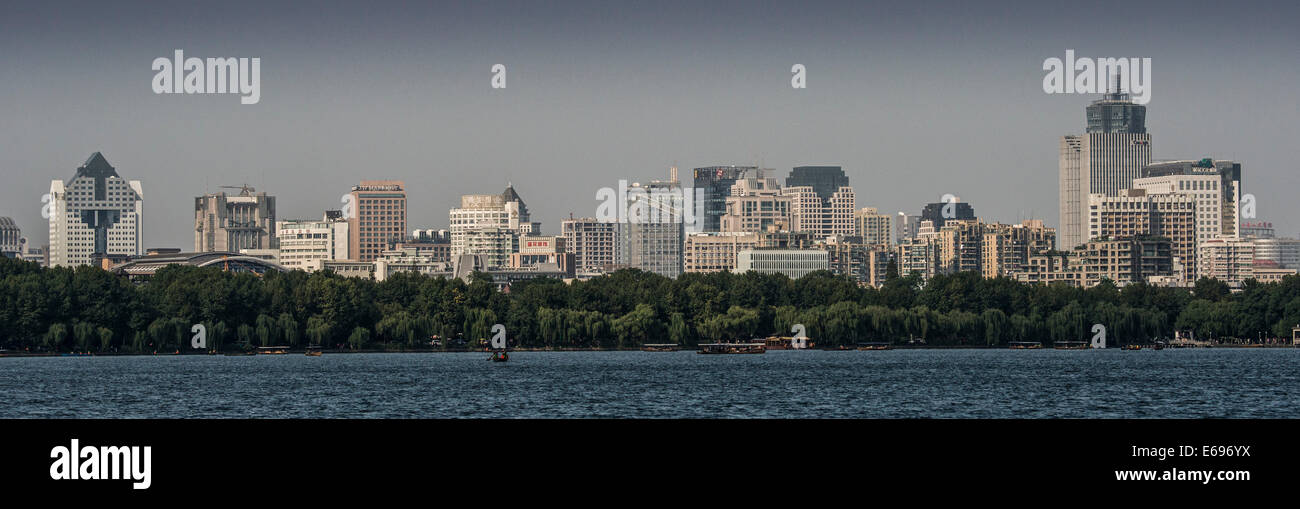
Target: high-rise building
column 542, row 253
column 593, row 243
column 1103, row 161
column 233, row 223
column 867, row 263
column 941, row 213
column 1257, row 230
column 821, row 217
column 96, row 212
column 825, row 181
column 874, row 228
column 305, row 243
column 908, row 227
column 919, row 255
column 961, row 246
column 713, row 185
column 1218, row 201
column 1227, row 259
column 378, row 218
column 1135, row 213
column 755, row 204
column 488, row 218
column 654, row 243
column 1276, row 253
column 1007, row 248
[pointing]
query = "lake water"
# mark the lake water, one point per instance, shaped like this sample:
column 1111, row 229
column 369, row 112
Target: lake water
column 1233, row 383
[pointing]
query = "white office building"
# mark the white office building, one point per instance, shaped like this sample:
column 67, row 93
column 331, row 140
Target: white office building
column 96, row 211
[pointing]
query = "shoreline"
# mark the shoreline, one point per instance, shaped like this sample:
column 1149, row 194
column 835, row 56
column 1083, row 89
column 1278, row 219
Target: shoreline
column 635, row 349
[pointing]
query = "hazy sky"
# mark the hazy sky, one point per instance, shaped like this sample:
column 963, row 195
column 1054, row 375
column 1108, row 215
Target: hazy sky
column 914, row 99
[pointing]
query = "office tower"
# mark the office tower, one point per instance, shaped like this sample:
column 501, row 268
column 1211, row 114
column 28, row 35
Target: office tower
column 755, row 204
column 821, row 217
column 96, row 212
column 653, row 243
column 1134, row 213
column 11, row 238
column 378, row 218
column 940, row 213
column 715, row 252
column 1221, row 205
column 484, row 222
column 825, row 181
column 593, row 244
column 1104, row 160
column 713, row 185
column 306, row 243
column 232, row 223
column 873, row 227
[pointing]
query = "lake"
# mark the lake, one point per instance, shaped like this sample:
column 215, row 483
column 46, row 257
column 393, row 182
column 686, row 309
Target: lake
column 1173, row 383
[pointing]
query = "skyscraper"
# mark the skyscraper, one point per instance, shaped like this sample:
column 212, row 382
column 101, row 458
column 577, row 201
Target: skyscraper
column 231, row 223
column 593, row 244
column 934, row 212
column 654, row 243
column 1104, row 160
column 714, row 183
column 824, row 180
column 378, row 218
column 94, row 212
column 821, row 201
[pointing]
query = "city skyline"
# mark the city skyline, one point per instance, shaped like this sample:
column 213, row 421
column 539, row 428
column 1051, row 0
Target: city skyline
column 881, row 101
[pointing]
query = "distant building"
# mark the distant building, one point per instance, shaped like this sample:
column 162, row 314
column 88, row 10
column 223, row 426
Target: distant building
column 1276, row 253
column 873, row 227
column 940, row 213
column 1257, row 230
column 542, row 253
column 11, row 238
column 95, row 212
column 908, row 227
column 714, row 184
column 1104, row 160
column 825, row 181
column 655, row 245
column 593, row 244
column 233, row 223
column 755, row 204
column 490, row 224
column 715, row 252
column 304, row 242
column 794, row 263
column 867, row 263
column 378, row 218
column 1135, row 213
column 143, row 268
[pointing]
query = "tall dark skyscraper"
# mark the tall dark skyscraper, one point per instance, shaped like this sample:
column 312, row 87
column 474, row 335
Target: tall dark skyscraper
column 1115, row 113
column 716, row 182
column 934, row 212
column 824, row 180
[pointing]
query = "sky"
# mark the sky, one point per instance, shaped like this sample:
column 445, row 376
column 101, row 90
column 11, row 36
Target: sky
column 914, row 99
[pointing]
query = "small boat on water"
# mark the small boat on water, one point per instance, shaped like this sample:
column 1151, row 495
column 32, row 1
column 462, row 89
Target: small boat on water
column 732, row 348
column 874, row 346
column 314, row 351
column 1132, row 346
column 499, row 356
column 1024, row 345
column 1070, row 345
column 787, row 343
column 272, row 350
column 659, row 347
column 1159, row 345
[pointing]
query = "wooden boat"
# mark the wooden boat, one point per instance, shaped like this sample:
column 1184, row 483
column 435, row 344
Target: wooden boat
column 313, row 352
column 787, row 343
column 272, row 350
column 1132, row 347
column 1071, row 345
column 1024, row 345
column 659, row 347
column 874, row 346
column 733, row 348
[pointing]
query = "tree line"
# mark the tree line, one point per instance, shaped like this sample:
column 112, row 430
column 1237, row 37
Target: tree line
column 88, row 309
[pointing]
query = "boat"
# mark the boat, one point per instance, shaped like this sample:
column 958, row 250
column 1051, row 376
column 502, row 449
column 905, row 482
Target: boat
column 272, row 350
column 733, row 348
column 1131, row 346
column 787, row 343
column 1070, row 345
column 1160, row 345
column 314, row 351
column 874, row 346
column 1024, row 345
column 499, row 356
column 659, row 347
